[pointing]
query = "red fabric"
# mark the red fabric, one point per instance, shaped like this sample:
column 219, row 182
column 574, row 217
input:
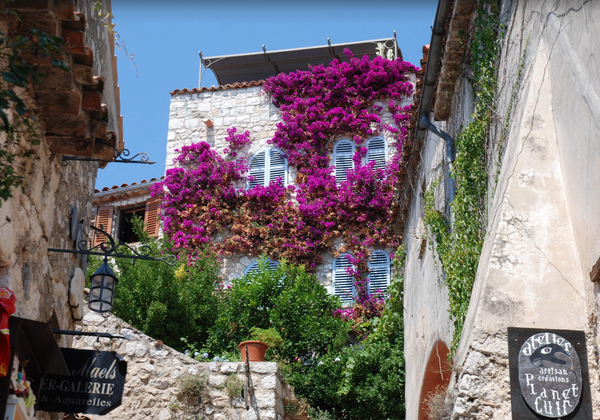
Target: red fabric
column 7, row 307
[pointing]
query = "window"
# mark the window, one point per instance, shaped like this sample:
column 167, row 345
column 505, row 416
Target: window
column 343, row 283
column 379, row 272
column 343, row 152
column 266, row 166
column 377, row 152
column 126, row 233
column 253, row 267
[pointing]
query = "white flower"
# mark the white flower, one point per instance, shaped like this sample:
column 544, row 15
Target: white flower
column 205, row 355
column 196, row 354
column 337, row 359
column 320, row 363
column 187, row 352
column 216, row 358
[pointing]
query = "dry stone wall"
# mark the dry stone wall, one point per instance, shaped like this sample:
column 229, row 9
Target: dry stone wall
column 153, row 369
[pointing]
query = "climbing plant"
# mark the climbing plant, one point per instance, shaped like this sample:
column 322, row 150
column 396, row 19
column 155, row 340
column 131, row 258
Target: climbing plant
column 298, row 223
column 459, row 248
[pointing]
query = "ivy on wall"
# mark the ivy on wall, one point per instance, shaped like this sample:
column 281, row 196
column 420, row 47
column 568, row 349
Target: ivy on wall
column 459, row 248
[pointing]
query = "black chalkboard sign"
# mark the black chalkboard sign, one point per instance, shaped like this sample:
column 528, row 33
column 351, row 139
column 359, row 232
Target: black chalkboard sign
column 548, row 374
column 94, row 387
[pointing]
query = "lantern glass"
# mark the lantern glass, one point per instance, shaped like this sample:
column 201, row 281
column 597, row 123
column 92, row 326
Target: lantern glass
column 103, row 283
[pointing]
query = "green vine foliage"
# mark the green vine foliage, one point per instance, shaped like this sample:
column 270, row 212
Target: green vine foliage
column 459, row 248
column 16, row 120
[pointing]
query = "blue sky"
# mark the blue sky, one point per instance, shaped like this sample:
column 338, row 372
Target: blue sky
column 165, row 37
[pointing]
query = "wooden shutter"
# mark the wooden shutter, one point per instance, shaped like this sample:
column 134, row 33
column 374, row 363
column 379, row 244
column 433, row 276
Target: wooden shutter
column 379, row 272
column 253, row 267
column 151, row 219
column 376, row 151
column 258, row 166
column 343, row 283
column 343, row 152
column 104, row 220
column 277, row 165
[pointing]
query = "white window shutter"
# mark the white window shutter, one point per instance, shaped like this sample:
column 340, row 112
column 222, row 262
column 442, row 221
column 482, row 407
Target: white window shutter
column 343, row 283
column 253, row 267
column 343, row 152
column 379, row 272
column 258, row 166
column 377, row 152
column 277, row 166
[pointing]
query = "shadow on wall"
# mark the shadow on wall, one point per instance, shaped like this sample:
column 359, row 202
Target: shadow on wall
column 436, row 378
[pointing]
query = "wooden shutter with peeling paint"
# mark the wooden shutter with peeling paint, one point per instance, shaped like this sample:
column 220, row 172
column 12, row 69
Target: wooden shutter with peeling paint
column 343, row 283
column 343, row 152
column 104, row 221
column 151, row 220
column 377, row 152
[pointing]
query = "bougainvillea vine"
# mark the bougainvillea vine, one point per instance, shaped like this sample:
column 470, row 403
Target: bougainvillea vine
column 205, row 200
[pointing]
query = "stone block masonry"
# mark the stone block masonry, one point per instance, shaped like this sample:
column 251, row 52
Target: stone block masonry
column 153, row 369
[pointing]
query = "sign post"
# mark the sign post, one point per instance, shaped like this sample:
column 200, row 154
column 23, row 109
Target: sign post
column 94, row 387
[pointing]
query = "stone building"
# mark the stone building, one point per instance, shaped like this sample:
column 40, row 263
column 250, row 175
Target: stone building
column 205, row 114
column 78, row 115
column 538, row 266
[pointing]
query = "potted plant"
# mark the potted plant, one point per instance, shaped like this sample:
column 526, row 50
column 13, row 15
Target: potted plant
column 262, row 340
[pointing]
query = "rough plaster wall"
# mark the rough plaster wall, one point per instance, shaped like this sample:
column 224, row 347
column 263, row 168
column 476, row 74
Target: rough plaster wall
column 425, row 295
column 153, row 369
column 246, row 109
column 538, row 249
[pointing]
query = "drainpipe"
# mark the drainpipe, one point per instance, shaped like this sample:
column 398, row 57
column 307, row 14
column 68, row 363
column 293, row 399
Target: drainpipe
column 433, row 64
column 449, row 152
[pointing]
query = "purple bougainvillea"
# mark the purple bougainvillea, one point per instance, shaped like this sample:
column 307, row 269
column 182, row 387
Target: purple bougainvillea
column 318, row 106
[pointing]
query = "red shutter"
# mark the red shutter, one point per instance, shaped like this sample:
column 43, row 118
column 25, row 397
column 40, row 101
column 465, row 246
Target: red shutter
column 104, row 220
column 151, row 220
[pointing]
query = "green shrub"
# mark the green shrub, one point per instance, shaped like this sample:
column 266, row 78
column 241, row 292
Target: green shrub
column 288, row 300
column 166, row 302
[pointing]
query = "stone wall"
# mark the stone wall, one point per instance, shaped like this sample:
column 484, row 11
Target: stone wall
column 153, row 369
column 245, row 108
column 543, row 236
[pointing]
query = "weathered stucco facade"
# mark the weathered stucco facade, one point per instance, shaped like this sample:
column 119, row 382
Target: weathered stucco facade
column 543, row 232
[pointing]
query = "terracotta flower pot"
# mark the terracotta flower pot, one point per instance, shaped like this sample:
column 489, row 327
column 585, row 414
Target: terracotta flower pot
column 256, row 350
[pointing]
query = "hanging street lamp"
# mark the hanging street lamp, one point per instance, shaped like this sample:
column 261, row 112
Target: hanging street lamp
column 102, row 290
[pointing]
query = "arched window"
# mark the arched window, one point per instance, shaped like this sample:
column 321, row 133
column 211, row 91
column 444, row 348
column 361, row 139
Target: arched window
column 343, row 152
column 267, row 165
column 377, row 151
column 379, row 272
column 253, row 267
column 343, row 283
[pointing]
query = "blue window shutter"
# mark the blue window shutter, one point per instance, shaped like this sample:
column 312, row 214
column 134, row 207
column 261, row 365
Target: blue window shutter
column 377, row 152
column 343, row 283
column 258, row 166
column 277, row 165
column 343, row 152
column 253, row 267
column 379, row 272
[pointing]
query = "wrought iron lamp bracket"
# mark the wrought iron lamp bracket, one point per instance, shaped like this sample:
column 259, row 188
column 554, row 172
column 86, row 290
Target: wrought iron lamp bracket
column 120, row 157
column 109, row 248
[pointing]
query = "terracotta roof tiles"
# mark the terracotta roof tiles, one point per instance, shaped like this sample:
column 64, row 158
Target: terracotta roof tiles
column 236, row 85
